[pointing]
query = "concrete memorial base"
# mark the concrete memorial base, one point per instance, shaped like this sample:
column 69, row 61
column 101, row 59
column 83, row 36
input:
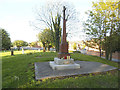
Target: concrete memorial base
column 43, row 69
column 62, row 64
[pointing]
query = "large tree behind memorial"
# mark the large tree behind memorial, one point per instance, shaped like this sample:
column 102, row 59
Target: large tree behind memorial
column 57, row 31
column 6, row 42
column 93, row 26
column 50, row 16
column 103, row 24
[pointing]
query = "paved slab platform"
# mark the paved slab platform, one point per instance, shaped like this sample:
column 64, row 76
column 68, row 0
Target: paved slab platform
column 43, row 69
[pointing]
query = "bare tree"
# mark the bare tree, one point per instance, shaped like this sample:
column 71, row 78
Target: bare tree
column 48, row 12
column 44, row 19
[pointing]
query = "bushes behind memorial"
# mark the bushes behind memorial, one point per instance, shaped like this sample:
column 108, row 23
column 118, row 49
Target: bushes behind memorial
column 76, row 52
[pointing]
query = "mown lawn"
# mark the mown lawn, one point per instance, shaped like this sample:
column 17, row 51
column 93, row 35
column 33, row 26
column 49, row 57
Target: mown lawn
column 18, row 72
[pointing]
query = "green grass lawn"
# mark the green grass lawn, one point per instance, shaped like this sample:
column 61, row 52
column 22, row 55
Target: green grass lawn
column 18, row 72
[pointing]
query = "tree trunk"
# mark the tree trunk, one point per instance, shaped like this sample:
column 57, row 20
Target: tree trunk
column 100, row 47
column 56, row 25
column 106, row 55
column 110, row 56
column 111, row 38
column 107, row 52
column 18, row 48
column 44, row 48
column 48, row 48
column 110, row 52
column 57, row 40
column 57, row 46
column 106, row 46
column 100, row 52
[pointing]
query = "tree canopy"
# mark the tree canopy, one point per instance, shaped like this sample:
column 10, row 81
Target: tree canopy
column 6, row 42
column 19, row 43
column 103, row 23
column 46, row 38
column 50, row 16
column 33, row 44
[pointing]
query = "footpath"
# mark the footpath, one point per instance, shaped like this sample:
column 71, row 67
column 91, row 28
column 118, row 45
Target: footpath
column 116, row 56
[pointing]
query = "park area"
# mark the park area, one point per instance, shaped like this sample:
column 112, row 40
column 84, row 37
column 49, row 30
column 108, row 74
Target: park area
column 60, row 44
column 18, row 71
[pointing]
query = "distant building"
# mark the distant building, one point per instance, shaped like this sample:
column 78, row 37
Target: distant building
column 82, row 45
column 79, row 44
column 92, row 45
column 38, row 44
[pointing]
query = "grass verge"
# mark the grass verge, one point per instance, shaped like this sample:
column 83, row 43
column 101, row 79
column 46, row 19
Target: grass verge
column 18, row 72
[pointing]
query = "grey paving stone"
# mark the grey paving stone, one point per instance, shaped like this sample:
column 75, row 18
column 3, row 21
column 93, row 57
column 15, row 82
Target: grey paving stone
column 43, row 70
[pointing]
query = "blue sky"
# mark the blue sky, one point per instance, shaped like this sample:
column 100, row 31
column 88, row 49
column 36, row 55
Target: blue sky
column 16, row 15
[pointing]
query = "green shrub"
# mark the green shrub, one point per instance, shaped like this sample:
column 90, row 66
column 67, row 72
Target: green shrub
column 29, row 53
column 74, row 46
column 76, row 52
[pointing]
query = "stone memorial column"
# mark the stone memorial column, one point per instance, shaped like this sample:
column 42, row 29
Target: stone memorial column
column 63, row 61
column 63, row 52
